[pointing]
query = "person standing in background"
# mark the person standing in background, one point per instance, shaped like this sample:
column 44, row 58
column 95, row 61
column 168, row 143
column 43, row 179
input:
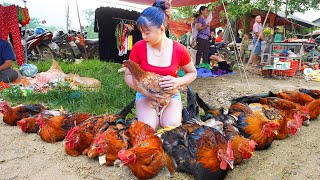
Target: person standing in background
column 257, row 30
column 203, row 36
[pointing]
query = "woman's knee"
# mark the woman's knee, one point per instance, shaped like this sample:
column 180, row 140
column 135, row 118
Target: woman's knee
column 8, row 75
column 147, row 114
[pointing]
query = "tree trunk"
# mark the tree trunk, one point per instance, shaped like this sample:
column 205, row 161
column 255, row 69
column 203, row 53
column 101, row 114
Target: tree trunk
column 246, row 23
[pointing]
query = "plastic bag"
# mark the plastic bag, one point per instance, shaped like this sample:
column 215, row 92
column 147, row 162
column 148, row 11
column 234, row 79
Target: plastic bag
column 29, row 70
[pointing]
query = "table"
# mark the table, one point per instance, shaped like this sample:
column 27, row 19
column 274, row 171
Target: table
column 298, row 48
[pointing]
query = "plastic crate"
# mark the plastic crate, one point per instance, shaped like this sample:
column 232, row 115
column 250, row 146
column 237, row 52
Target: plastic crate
column 294, row 65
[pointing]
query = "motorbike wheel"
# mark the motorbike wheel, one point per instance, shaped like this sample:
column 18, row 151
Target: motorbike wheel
column 224, row 53
column 46, row 53
column 67, row 53
column 94, row 53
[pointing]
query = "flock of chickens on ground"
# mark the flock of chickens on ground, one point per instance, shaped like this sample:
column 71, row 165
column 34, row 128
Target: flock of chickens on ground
column 204, row 146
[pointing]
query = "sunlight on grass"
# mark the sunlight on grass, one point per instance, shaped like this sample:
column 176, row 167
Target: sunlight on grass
column 113, row 95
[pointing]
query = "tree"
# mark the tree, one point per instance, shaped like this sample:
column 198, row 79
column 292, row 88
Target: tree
column 89, row 15
column 241, row 9
column 34, row 22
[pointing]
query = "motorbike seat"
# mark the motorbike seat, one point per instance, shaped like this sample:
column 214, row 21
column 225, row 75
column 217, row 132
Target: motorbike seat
column 92, row 41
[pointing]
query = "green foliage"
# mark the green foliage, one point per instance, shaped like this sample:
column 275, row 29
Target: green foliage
column 5, row 3
column 113, row 94
column 183, row 12
column 89, row 15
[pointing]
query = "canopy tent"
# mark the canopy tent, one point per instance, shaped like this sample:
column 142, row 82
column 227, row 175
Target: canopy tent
column 174, row 3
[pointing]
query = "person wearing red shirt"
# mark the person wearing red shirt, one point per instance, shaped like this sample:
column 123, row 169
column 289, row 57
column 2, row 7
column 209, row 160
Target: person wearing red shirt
column 219, row 37
column 159, row 54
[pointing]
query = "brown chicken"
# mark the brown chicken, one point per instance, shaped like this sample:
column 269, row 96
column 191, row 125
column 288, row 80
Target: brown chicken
column 290, row 120
column 278, row 103
column 146, row 157
column 254, row 126
column 243, row 148
column 80, row 137
column 110, row 143
column 202, row 151
column 53, row 129
column 314, row 109
column 12, row 115
column 295, row 96
column 28, row 125
column 312, row 92
column 56, row 128
column 148, row 82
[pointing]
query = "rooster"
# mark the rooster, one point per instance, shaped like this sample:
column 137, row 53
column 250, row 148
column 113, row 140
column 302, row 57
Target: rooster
column 243, row 148
column 290, row 121
column 148, row 82
column 110, row 143
column 80, row 137
column 30, row 125
column 146, row 157
column 281, row 104
column 12, row 115
column 294, row 96
column 254, row 126
column 197, row 149
column 312, row 92
column 55, row 129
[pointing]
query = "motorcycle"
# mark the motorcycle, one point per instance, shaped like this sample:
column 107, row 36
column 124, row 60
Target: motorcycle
column 222, row 50
column 40, row 46
column 89, row 46
column 68, row 49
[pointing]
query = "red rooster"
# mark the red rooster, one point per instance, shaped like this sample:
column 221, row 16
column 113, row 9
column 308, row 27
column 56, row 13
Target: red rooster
column 146, row 157
column 110, row 143
column 254, row 126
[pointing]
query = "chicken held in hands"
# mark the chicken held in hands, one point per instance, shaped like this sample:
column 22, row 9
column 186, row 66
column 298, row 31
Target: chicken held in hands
column 148, row 83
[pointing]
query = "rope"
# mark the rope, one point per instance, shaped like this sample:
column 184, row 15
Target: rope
column 255, row 45
column 239, row 62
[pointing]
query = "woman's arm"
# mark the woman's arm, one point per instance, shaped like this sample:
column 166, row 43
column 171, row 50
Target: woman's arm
column 169, row 82
column 200, row 27
column 128, row 79
column 190, row 74
column 6, row 65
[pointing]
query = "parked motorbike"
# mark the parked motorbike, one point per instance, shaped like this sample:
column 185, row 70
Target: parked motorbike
column 222, row 49
column 40, row 47
column 68, row 49
column 91, row 46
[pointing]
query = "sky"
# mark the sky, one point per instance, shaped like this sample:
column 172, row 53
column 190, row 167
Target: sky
column 54, row 11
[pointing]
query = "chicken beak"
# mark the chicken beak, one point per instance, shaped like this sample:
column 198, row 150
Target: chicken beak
column 252, row 153
column 230, row 162
column 275, row 132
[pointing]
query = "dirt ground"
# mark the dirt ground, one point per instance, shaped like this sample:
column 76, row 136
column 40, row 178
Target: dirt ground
column 26, row 156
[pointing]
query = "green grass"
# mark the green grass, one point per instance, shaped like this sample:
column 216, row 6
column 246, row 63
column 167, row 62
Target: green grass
column 113, row 95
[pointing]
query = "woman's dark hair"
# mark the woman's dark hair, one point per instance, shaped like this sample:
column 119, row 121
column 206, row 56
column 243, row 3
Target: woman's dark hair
column 220, row 31
column 202, row 8
column 155, row 16
column 196, row 15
